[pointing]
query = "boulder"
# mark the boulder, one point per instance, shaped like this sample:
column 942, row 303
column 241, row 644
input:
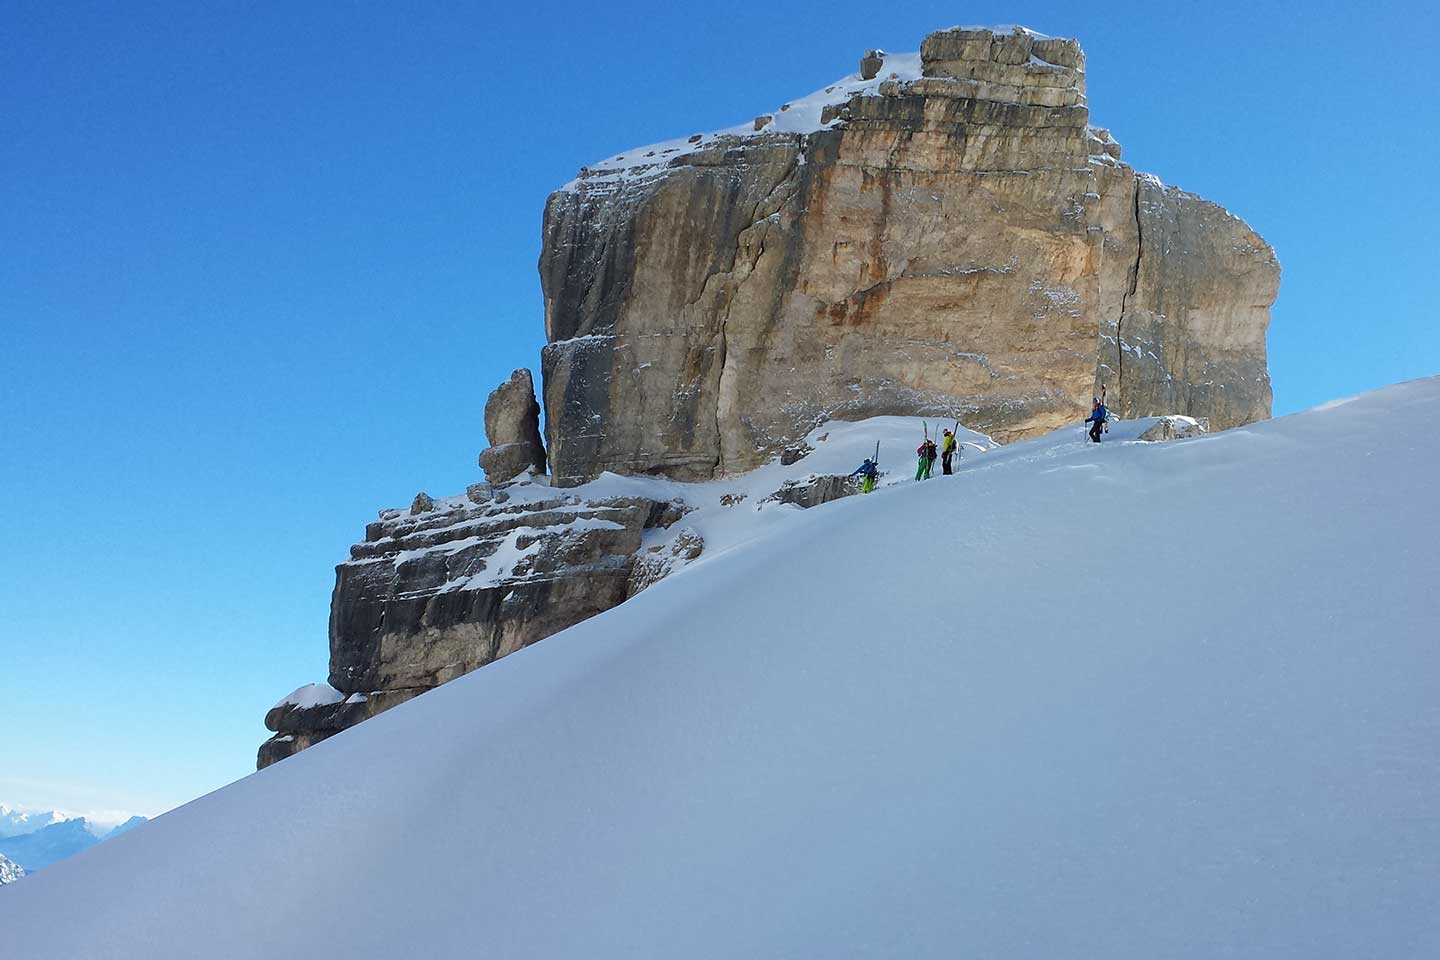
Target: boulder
column 512, row 425
column 795, row 454
column 423, row 503
column 1174, row 428
column 870, row 64
column 815, row 490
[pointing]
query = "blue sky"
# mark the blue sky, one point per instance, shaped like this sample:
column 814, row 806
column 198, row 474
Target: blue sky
column 261, row 263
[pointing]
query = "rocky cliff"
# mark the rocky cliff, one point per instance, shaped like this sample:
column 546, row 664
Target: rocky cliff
column 945, row 234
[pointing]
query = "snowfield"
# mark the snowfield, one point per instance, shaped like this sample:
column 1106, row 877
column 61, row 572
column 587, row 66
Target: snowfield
column 1130, row 701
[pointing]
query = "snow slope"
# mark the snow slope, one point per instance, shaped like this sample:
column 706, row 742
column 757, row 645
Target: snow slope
column 1130, row 701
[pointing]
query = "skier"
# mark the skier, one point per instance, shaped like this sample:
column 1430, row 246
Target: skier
column 1097, row 416
column 869, row 473
column 947, row 450
column 927, row 454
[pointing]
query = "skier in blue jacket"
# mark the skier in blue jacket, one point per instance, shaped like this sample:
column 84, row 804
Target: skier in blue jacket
column 870, row 472
column 1097, row 417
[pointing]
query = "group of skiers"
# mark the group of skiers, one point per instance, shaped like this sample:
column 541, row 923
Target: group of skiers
column 928, row 451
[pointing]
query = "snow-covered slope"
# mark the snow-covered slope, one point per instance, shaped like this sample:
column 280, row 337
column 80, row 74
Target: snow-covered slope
column 1128, row 701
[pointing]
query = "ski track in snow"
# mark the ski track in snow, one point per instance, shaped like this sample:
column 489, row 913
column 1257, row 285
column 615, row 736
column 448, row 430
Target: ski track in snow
column 1129, row 701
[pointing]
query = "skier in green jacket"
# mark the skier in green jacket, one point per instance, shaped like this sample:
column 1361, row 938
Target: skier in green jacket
column 927, row 453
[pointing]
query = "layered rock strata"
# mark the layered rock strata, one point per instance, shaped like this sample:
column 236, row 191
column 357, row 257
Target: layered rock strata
column 951, row 238
column 429, row 596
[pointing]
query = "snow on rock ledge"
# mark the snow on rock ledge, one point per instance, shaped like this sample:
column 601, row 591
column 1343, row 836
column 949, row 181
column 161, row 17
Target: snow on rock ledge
column 310, row 695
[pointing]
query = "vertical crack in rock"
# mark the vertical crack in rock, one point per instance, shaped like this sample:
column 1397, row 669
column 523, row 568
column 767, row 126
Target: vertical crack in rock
column 787, row 179
column 1129, row 294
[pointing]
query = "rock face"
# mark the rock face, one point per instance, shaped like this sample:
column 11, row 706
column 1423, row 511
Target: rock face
column 10, row 871
column 951, row 238
column 430, row 595
column 512, row 425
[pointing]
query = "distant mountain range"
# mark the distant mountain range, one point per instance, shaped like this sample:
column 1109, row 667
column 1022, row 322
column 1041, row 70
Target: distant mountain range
column 15, row 822
column 35, row 840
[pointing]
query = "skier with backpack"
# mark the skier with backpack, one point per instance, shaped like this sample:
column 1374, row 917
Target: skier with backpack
column 927, row 454
column 1098, row 414
column 947, row 451
column 869, row 472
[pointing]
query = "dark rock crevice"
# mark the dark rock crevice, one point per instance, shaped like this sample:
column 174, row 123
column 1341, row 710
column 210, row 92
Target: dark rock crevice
column 1134, row 276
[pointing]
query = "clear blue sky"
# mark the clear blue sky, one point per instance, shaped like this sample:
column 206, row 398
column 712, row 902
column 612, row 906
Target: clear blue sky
column 260, row 264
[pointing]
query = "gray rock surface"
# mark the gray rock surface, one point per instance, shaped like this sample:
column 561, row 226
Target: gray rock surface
column 656, row 563
column 815, row 490
column 959, row 244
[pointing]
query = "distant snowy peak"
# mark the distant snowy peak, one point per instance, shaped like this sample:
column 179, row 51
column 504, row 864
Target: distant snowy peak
column 15, row 822
column 10, row 871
